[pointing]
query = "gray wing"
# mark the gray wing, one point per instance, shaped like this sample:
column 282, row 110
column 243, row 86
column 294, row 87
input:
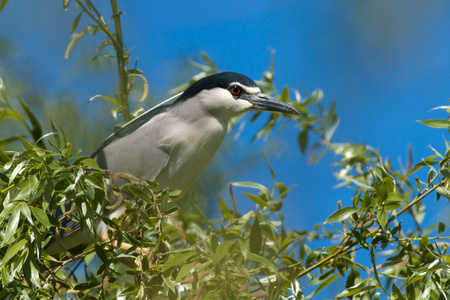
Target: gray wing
column 130, row 127
column 140, row 153
column 122, row 151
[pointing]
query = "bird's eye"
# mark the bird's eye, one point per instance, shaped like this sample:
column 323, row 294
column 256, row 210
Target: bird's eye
column 235, row 90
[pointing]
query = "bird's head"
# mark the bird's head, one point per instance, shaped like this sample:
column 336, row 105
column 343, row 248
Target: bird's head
column 227, row 94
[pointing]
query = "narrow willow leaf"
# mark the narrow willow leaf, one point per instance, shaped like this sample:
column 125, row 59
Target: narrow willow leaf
column 16, row 172
column 312, row 256
column 272, row 173
column 223, row 208
column 441, row 228
column 10, row 113
column 85, row 286
column 257, row 200
column 249, row 185
column 446, row 107
column 436, row 123
column 26, row 212
column 255, row 237
column 184, row 270
column 425, row 162
column 75, row 23
column 36, row 129
column 388, row 205
column 357, row 288
column 40, row 215
column 443, row 191
column 261, row 259
column 341, row 214
column 2, row 4
column 445, row 173
column 12, row 251
column 222, row 250
column 395, row 197
column 12, row 225
column 382, row 216
column 410, row 292
column 66, row 4
column 303, row 139
column 324, row 284
column 178, row 259
column 112, row 100
column 396, row 293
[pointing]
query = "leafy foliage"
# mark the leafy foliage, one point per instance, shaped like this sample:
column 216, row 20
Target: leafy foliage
column 157, row 250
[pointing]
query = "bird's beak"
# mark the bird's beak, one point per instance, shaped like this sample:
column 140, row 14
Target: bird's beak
column 262, row 101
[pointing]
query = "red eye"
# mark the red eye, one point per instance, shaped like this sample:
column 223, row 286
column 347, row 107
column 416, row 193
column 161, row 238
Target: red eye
column 235, row 90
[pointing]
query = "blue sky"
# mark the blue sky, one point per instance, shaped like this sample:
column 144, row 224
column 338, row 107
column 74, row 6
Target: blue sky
column 385, row 63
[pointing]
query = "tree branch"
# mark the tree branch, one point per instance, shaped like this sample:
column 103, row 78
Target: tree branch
column 123, row 74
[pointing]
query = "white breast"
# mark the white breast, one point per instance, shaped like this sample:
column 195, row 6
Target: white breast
column 191, row 146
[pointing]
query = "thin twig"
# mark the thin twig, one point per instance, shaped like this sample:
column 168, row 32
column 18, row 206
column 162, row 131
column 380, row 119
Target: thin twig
column 421, row 196
column 123, row 74
column 104, row 27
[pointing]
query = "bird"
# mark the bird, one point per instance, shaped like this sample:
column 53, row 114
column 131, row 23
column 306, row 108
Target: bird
column 173, row 144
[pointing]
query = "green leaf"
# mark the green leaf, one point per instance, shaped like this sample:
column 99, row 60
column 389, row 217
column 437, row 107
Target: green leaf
column 36, row 131
column 178, row 259
column 312, row 256
column 341, row 214
column 357, row 288
column 222, row 250
column 330, row 132
column 382, row 216
column 303, row 139
column 443, row 191
column 17, row 170
column 25, row 209
column 396, row 293
column 436, row 123
column 40, row 215
column 10, row 113
column 441, row 228
column 13, row 249
column 101, row 253
column 184, row 270
column 4, row 158
column 66, row 4
column 140, row 194
column 257, row 200
column 3, row 3
column 12, row 226
column 223, row 208
column 410, row 292
column 87, row 161
column 425, row 162
column 112, row 100
column 261, row 259
column 85, row 286
column 250, row 184
column 445, row 173
column 56, row 136
column 209, row 62
column 272, row 173
column 75, row 23
column 391, row 205
column 324, row 284
column 395, row 197
column 255, row 237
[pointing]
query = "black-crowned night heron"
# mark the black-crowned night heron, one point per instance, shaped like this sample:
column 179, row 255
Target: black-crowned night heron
column 173, row 144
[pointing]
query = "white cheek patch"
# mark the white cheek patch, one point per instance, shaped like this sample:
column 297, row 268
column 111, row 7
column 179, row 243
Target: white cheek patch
column 243, row 104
